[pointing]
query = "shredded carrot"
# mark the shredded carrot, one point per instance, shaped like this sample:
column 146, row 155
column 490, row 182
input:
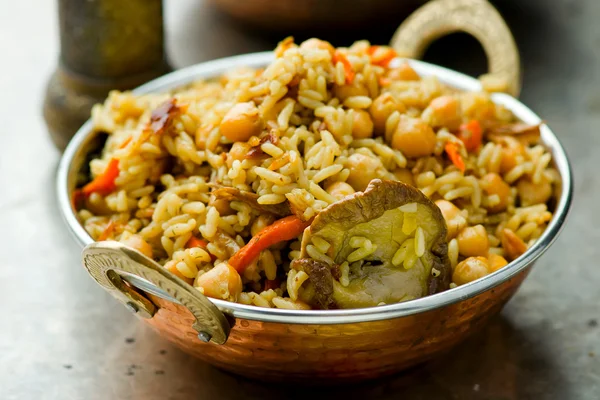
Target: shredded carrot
column 107, row 232
column 203, row 244
column 454, row 155
column 105, row 182
column 471, row 135
column 381, row 55
column 272, row 284
column 280, row 162
column 195, row 242
column 287, row 228
column 126, row 142
column 349, row 71
column 284, row 45
column 383, row 81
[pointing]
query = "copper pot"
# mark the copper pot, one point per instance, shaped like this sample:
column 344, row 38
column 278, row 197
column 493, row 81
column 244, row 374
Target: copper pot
column 332, row 345
column 307, row 15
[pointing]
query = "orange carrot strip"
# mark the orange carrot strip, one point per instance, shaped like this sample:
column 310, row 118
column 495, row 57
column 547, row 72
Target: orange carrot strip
column 383, row 81
column 195, row 242
column 110, row 228
column 381, row 57
column 454, row 155
column 349, row 71
column 126, row 142
column 105, row 182
column 471, row 135
column 203, row 244
column 287, row 228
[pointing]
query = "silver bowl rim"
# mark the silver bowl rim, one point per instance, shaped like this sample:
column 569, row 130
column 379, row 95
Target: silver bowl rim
column 326, row 317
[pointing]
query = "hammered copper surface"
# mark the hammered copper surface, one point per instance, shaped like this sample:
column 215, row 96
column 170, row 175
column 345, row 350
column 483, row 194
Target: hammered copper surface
column 273, row 351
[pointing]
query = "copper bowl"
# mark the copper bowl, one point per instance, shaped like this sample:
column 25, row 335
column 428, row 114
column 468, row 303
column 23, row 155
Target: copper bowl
column 304, row 15
column 314, row 346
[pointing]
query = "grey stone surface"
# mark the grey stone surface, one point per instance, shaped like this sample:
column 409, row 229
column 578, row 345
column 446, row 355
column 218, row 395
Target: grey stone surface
column 62, row 337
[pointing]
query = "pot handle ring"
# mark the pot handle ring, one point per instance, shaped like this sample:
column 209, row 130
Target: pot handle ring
column 479, row 18
column 113, row 264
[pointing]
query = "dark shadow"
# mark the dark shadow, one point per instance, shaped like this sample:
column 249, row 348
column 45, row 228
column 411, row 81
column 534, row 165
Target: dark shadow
column 459, row 51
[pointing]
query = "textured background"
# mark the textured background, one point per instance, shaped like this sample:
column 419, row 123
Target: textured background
column 62, row 337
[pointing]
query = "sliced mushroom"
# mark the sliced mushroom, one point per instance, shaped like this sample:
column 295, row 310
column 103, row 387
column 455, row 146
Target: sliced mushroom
column 525, row 133
column 388, row 214
column 321, row 277
column 231, row 194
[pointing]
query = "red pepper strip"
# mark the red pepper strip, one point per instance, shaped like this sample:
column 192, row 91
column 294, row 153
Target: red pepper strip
column 471, row 135
column 287, row 228
column 203, row 244
column 454, row 155
column 272, row 284
column 80, row 194
column 77, row 199
column 105, row 182
column 349, row 71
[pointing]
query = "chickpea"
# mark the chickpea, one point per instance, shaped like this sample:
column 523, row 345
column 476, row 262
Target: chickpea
column 531, row 193
column 315, row 43
column 477, row 105
column 238, row 152
column 363, row 169
column 404, row 175
column 136, row 242
column 362, row 126
column 413, row 137
column 473, row 241
column 404, row 73
column 345, row 91
column 496, row 262
column 454, row 220
column 493, row 184
column 241, row 122
column 221, row 282
column 512, row 152
column 380, row 110
column 443, row 111
column 513, row 245
column 470, row 270
column 339, row 190
column 171, row 266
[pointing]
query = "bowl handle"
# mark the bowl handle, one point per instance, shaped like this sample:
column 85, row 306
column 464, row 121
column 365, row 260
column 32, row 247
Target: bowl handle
column 476, row 17
column 111, row 264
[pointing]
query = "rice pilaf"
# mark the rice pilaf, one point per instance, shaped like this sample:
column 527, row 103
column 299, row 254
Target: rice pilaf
column 194, row 177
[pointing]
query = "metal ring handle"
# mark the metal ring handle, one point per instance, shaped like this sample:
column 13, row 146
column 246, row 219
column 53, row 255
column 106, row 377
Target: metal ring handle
column 107, row 261
column 476, row 17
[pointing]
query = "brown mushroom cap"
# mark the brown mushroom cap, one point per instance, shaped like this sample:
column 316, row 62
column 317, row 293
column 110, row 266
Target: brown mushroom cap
column 375, row 214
